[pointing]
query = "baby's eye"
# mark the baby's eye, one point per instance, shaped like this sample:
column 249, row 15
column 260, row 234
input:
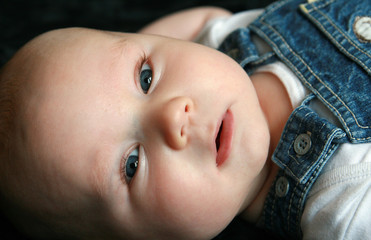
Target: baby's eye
column 145, row 78
column 131, row 164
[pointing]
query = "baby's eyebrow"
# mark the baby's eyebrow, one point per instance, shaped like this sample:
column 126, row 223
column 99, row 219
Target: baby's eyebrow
column 99, row 176
column 119, row 49
column 121, row 46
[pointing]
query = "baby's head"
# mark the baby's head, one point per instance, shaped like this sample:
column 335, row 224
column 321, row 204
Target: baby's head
column 112, row 135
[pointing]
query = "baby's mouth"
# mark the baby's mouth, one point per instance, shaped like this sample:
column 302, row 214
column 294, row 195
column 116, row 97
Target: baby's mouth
column 217, row 140
column 223, row 140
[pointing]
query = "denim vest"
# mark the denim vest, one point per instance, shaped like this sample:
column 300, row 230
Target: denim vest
column 327, row 44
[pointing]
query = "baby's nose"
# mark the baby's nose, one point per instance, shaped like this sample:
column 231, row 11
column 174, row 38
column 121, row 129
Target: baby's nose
column 174, row 121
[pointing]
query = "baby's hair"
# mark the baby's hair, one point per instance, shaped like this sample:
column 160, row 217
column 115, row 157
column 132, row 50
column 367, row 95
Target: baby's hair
column 8, row 90
column 8, row 108
column 10, row 85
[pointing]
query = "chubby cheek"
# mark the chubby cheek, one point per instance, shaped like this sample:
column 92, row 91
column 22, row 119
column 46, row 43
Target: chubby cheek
column 187, row 203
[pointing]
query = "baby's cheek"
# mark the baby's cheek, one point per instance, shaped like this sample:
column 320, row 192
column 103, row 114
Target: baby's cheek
column 188, row 205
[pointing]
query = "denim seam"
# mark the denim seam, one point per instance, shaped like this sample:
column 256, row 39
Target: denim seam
column 293, row 157
column 261, row 60
column 289, row 208
column 344, row 35
column 310, row 180
column 272, row 209
column 315, row 7
column 246, row 61
column 302, row 77
column 297, row 133
column 278, row 5
column 299, row 127
column 288, row 150
column 285, row 134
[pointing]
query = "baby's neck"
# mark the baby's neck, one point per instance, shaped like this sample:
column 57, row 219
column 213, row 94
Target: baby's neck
column 275, row 103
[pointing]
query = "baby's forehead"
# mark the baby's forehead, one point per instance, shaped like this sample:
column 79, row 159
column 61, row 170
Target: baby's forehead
column 61, row 51
column 63, row 89
column 55, row 69
column 57, row 43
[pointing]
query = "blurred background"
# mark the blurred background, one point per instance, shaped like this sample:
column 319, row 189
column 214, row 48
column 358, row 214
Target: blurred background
column 22, row 20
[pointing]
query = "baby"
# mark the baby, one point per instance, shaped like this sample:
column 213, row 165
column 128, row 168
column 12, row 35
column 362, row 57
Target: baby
column 108, row 135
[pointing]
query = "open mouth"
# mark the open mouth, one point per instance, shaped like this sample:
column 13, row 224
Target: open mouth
column 217, row 140
column 223, row 140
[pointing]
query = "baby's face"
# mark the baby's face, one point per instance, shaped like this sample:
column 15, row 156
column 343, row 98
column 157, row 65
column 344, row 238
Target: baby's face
column 167, row 135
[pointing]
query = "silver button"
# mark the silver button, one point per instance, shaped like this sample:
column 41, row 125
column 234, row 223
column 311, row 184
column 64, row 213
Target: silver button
column 362, row 28
column 302, row 144
column 282, row 187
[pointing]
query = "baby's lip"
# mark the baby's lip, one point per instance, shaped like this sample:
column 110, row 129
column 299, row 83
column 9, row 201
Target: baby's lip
column 223, row 137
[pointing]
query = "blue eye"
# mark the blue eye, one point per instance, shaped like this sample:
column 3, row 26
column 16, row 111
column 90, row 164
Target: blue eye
column 145, row 78
column 131, row 164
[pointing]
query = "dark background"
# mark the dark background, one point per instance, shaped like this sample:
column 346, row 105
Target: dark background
column 21, row 20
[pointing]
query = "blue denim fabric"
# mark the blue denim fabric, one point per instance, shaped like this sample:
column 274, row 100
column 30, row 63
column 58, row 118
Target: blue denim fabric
column 318, row 41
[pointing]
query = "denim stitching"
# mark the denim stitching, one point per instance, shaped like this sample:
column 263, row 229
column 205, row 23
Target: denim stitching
column 288, row 150
column 296, row 70
column 284, row 137
column 294, row 157
column 303, row 189
column 290, row 205
column 345, row 36
column 310, row 180
column 268, row 55
column 315, row 7
column 272, row 210
column 275, row 8
column 315, row 174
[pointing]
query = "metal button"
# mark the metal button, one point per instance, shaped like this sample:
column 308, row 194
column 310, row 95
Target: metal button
column 282, row 186
column 302, row 144
column 362, row 28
